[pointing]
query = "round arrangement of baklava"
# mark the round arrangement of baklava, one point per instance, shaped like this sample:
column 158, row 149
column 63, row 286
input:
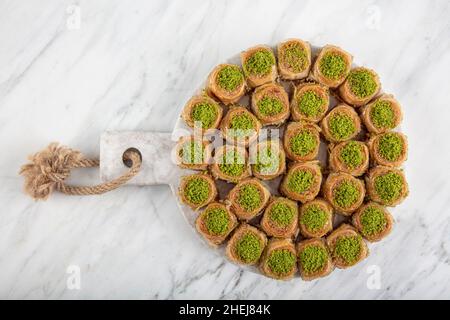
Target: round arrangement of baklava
column 294, row 159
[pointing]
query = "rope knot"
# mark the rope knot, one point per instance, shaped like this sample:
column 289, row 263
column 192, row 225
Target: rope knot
column 47, row 169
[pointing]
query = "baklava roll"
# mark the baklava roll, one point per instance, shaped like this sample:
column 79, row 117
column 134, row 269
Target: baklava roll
column 227, row 83
column 347, row 247
column 193, row 153
column 361, row 85
column 302, row 181
column 301, row 141
column 294, row 59
column 248, row 198
column 387, row 186
column 316, row 218
column 246, row 245
column 342, row 123
column 268, row 159
column 230, row 163
column 279, row 260
column 270, row 104
column 382, row 115
column 351, row 157
column 259, row 65
column 197, row 190
column 373, row 221
column 332, row 66
column 280, row 218
column 203, row 112
column 216, row 222
column 314, row 259
column 310, row 102
column 389, row 149
column 344, row 192
column 240, row 126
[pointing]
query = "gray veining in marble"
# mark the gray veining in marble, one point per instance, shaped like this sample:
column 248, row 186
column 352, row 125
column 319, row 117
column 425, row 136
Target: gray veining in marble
column 130, row 66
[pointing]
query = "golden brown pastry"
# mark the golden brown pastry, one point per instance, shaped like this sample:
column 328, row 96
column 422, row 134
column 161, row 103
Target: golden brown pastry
column 389, row 149
column 344, row 192
column 387, row 186
column 203, row 111
column 216, row 222
column 227, row 83
column 301, row 141
column 314, row 260
column 347, row 247
column 342, row 123
column 316, row 218
column 373, row 221
column 270, row 104
column 246, row 245
column 361, row 85
column 332, row 66
column 302, row 181
column 197, row 190
column 193, row 153
column 248, row 198
column 268, row 159
column 383, row 114
column 240, row 126
column 294, row 59
column 280, row 259
column 310, row 102
column 259, row 65
column 230, row 163
column 351, row 157
column 280, row 218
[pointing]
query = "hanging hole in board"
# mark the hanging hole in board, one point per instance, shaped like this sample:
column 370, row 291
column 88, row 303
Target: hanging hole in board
column 126, row 160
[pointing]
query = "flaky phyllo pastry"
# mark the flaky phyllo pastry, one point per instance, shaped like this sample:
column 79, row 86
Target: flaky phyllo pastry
column 297, row 153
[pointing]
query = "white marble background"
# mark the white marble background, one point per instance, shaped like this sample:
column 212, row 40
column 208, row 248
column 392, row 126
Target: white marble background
column 131, row 65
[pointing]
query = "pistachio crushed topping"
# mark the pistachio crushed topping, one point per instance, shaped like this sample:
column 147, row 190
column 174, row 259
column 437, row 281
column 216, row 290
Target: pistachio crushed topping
column 382, row 115
column 259, row 63
column 390, row 146
column 204, row 112
column 332, row 65
column 314, row 218
column 373, row 221
column 267, row 162
column 294, row 57
column 281, row 261
column 269, row 106
column 303, row 143
column 300, row 181
column 346, row 194
column 217, row 221
column 249, row 197
column 281, row 214
column 242, row 125
column 362, row 83
column 196, row 190
column 348, row 248
column 230, row 78
column 313, row 258
column 311, row 104
column 192, row 152
column 233, row 164
column 352, row 154
column 389, row 186
column 341, row 126
column 249, row 248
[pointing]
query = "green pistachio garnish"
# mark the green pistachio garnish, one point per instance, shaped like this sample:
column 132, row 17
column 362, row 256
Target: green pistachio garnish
column 249, row 197
column 352, row 155
column 373, row 221
column 362, row 83
column 389, row 186
column 241, row 124
column 314, row 218
column 196, row 190
column 281, row 214
column 204, row 112
column 341, row 126
column 300, row 181
column 281, row 261
column 390, row 146
column 217, row 221
column 311, row 104
column 249, row 248
column 192, row 152
column 333, row 66
column 313, row 258
column 348, row 248
column 267, row 162
column 346, row 194
column 230, row 78
column 294, row 57
column 382, row 115
column 259, row 63
column 303, row 143
column 269, row 106
column 233, row 164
